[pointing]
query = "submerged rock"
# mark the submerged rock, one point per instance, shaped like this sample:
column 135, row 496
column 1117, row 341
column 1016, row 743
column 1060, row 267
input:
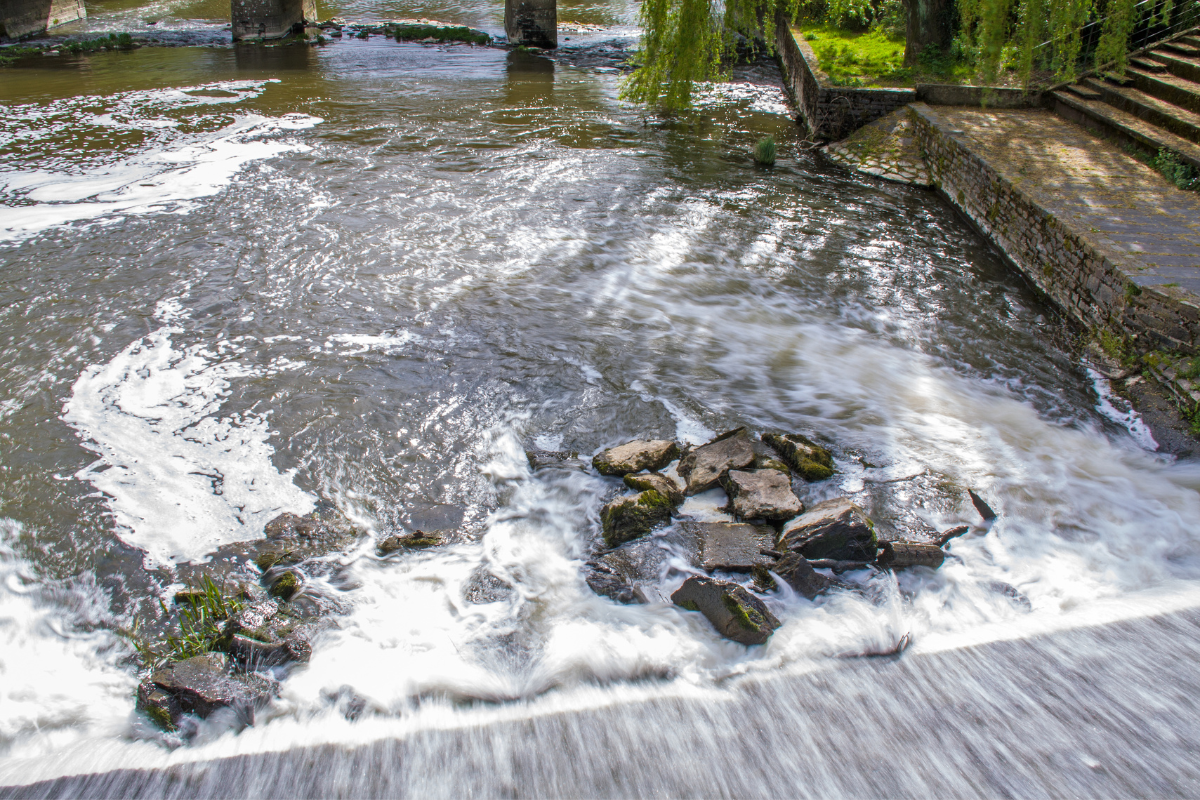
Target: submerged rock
column 705, row 466
column 286, row 585
column 659, row 483
column 552, row 458
column 258, row 621
column 806, row 458
column 761, row 494
column 417, row 540
column 200, row 686
column 627, row 518
column 292, row 539
column 252, row 654
column 636, row 456
column 732, row 546
column 733, row 611
column 836, row 529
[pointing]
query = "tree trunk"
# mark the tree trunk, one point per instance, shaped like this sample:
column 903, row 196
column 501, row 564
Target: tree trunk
column 930, row 22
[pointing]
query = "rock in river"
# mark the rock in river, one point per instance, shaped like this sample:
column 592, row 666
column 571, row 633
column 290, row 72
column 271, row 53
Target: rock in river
column 761, row 494
column 807, row 458
column 660, row 483
column 707, row 464
column 636, row 456
column 733, row 611
column 799, row 574
column 200, row 686
column 836, row 529
column 627, row 518
column 731, row 546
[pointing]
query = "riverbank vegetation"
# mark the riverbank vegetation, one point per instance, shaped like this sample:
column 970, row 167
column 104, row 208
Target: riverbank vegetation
column 895, row 42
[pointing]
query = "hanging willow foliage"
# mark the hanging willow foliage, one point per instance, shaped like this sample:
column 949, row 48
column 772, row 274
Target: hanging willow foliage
column 684, row 41
column 1048, row 34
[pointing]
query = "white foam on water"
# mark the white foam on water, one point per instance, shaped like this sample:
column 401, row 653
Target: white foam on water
column 180, row 477
column 1120, row 411
column 171, row 171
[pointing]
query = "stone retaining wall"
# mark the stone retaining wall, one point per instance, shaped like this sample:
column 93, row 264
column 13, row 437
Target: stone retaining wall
column 834, row 112
column 830, row 112
column 1056, row 259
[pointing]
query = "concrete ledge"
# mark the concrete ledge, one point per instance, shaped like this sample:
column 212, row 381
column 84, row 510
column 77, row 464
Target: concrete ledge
column 21, row 18
column 946, row 94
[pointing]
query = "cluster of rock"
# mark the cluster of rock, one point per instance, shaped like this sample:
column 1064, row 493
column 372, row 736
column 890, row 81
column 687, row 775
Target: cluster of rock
column 425, row 31
column 774, row 536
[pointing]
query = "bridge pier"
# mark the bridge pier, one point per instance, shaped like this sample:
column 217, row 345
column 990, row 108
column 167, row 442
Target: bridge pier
column 270, row 19
column 21, row 18
column 531, row 22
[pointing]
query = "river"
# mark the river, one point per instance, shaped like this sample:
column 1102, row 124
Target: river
column 240, row 281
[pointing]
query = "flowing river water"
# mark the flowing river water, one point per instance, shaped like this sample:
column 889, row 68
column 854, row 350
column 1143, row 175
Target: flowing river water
column 240, row 281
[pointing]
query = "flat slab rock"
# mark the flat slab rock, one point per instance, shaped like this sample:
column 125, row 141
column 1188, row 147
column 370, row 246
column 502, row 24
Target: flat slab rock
column 836, row 529
column 704, row 467
column 636, row 456
column 202, row 684
column 731, row 546
column 761, row 494
column 733, row 611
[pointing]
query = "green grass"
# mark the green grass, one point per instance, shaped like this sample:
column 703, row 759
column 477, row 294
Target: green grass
column 764, row 151
column 202, row 611
column 874, row 59
column 410, row 33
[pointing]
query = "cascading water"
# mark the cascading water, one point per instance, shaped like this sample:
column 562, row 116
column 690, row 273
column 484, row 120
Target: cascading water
column 239, row 282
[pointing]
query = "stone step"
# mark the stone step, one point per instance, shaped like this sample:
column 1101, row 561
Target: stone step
column 1119, row 80
column 1146, row 65
column 1191, row 40
column 1167, row 86
column 1181, row 48
column 1160, row 113
column 1182, row 66
column 1085, row 91
column 1124, row 127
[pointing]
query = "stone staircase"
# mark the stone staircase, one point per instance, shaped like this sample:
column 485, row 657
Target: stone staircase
column 1155, row 105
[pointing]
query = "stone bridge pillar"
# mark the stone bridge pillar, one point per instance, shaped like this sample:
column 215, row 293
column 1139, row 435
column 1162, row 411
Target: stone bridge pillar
column 531, row 22
column 270, row 19
column 20, row 18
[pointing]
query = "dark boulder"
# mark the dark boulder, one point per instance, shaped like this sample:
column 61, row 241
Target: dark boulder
column 200, row 686
column 636, row 456
column 799, row 574
column 292, row 539
column 285, row 585
column 761, row 494
column 627, row 518
column 806, row 458
column 733, row 611
column 659, row 483
column 705, row 466
column 836, row 529
column 895, row 555
column 732, row 546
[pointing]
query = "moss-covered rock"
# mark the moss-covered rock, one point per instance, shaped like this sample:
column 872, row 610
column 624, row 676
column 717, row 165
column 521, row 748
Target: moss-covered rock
column 285, row 586
column 627, row 518
column 644, row 481
column 733, row 611
column 806, row 458
column 636, row 456
column 417, row 540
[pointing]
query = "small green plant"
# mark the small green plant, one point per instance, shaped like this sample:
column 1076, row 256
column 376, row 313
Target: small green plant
column 9, row 55
column 458, row 33
column 1176, row 170
column 764, row 151
column 1188, row 368
column 202, row 611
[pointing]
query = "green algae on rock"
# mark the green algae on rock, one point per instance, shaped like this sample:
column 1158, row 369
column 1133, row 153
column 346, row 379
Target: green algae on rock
column 807, row 458
column 630, row 517
column 733, row 611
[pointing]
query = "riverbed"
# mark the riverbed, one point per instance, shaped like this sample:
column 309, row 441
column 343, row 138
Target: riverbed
column 239, row 281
